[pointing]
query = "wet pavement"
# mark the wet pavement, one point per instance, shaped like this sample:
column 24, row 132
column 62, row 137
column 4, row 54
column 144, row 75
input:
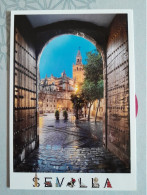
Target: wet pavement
column 70, row 146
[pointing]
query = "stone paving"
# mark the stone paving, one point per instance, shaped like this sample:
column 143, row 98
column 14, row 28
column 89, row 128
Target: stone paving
column 70, row 146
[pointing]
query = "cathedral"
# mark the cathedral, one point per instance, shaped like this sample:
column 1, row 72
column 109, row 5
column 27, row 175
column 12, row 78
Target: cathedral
column 55, row 92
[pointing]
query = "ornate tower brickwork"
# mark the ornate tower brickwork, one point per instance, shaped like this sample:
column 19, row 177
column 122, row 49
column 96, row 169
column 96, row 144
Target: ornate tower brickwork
column 78, row 70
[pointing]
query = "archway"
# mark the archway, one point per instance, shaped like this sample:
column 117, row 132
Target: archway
column 77, row 28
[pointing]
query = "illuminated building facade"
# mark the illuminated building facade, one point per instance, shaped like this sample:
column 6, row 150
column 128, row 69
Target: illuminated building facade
column 55, row 93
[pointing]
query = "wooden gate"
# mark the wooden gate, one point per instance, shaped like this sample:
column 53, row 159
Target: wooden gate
column 25, row 100
column 117, row 92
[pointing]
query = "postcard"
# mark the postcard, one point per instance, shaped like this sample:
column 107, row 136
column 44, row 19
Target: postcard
column 72, row 97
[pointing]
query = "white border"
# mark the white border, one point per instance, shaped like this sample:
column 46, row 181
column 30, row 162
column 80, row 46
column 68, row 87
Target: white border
column 123, row 181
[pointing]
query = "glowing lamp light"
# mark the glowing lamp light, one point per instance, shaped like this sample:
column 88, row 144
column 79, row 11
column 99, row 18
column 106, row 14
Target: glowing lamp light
column 76, row 88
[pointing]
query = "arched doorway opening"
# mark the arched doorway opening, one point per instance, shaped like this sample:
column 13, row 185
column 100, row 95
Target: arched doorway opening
column 51, row 91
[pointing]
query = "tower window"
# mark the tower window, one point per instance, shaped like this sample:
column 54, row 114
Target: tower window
column 77, row 68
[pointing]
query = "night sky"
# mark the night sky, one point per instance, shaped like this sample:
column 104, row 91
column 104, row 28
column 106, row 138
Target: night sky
column 60, row 54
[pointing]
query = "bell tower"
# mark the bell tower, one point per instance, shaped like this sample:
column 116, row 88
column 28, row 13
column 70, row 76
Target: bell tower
column 78, row 70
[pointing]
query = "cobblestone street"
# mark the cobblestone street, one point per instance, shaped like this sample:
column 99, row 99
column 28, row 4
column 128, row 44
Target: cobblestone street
column 70, row 146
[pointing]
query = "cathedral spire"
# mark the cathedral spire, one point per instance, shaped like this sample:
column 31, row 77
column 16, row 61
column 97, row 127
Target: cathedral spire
column 79, row 53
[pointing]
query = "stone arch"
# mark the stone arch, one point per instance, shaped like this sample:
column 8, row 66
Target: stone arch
column 93, row 33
